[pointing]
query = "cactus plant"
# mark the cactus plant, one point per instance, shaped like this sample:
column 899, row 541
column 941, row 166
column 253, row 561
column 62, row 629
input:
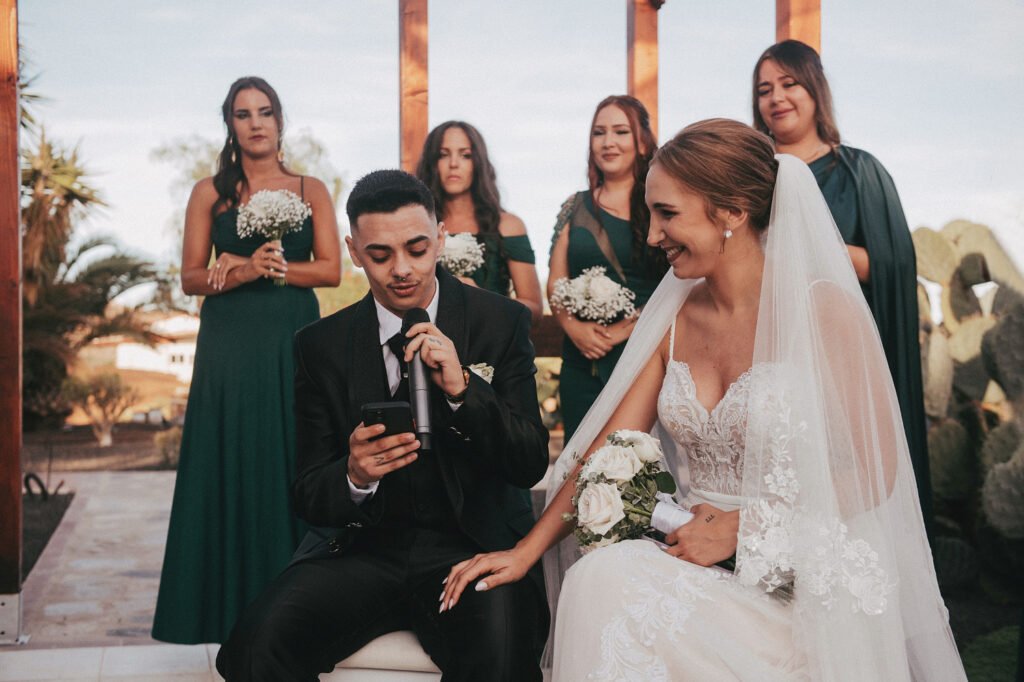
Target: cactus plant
column 1006, row 299
column 963, row 303
column 1003, row 352
column 970, row 376
column 951, row 461
column 1002, row 494
column 938, row 375
column 968, row 238
column 1000, row 444
column 936, row 255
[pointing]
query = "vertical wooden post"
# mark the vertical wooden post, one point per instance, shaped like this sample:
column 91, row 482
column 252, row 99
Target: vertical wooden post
column 799, row 20
column 642, row 54
column 10, row 330
column 412, row 65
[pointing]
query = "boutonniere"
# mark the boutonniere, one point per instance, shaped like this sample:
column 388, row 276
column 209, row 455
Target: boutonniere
column 482, row 370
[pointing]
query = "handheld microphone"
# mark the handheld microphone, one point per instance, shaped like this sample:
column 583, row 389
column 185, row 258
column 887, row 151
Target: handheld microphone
column 419, row 387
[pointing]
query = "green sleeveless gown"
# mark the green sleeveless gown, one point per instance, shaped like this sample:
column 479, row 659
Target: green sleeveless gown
column 581, row 380
column 232, row 528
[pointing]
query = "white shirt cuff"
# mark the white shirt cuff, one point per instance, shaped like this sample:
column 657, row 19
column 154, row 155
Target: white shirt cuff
column 360, row 495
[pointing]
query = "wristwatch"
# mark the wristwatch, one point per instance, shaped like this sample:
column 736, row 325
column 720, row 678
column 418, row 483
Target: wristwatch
column 461, row 396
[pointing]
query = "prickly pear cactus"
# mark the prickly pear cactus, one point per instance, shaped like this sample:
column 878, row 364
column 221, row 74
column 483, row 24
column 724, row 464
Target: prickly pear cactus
column 1002, row 496
column 963, row 303
column 936, row 255
column 938, row 375
column 951, row 461
column 956, row 562
column 1006, row 299
column 970, row 375
column 1003, row 352
column 968, row 237
column 973, row 269
column 1000, row 444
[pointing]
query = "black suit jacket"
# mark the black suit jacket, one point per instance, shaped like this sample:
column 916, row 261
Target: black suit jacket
column 488, row 450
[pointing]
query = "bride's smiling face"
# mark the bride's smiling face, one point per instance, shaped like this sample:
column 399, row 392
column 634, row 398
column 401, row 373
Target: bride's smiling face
column 681, row 227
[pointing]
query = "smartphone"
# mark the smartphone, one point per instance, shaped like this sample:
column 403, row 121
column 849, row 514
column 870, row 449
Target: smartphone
column 395, row 416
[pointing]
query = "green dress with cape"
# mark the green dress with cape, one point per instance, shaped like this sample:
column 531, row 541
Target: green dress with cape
column 581, row 380
column 864, row 203
column 232, row 528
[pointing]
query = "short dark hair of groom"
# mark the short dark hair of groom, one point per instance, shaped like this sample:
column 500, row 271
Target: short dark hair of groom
column 386, row 191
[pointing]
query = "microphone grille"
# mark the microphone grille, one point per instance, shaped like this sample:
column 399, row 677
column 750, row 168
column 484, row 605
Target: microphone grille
column 414, row 316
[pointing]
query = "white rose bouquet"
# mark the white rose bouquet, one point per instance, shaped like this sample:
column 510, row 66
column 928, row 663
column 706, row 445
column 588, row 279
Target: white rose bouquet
column 594, row 297
column 622, row 493
column 272, row 214
column 462, row 254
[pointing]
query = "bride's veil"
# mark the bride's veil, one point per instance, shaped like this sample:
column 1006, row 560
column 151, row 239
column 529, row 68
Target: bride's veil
column 830, row 516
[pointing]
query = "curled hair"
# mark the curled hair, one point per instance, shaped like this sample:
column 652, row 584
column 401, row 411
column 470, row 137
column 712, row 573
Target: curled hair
column 645, row 144
column 230, row 177
column 731, row 165
column 386, row 191
column 800, row 61
column 483, row 188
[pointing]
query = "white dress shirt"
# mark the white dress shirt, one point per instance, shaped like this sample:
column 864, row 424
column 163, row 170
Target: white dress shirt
column 389, row 325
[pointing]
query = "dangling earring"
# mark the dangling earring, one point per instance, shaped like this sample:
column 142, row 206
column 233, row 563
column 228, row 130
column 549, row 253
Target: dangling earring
column 280, row 156
column 231, row 143
column 725, row 235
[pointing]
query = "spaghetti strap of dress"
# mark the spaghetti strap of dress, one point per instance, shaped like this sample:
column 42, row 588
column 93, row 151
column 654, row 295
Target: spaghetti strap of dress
column 672, row 341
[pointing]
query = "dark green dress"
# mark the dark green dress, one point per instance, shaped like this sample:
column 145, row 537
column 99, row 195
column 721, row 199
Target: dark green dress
column 232, row 528
column 864, row 203
column 493, row 275
column 581, row 379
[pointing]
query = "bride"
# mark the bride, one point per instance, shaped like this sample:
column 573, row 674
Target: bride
column 757, row 356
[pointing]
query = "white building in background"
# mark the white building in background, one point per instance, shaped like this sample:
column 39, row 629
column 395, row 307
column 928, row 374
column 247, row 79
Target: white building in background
column 174, row 356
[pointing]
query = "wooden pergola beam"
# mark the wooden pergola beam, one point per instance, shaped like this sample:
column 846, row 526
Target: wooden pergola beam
column 642, row 54
column 10, row 330
column 799, row 20
column 412, row 66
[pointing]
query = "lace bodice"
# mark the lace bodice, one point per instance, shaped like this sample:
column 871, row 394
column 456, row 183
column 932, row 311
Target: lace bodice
column 713, row 441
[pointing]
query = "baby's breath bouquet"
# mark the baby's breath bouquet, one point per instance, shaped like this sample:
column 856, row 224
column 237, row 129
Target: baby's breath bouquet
column 622, row 493
column 462, row 254
column 272, row 214
column 594, row 297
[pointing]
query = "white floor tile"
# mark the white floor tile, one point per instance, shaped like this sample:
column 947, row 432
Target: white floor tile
column 169, row 659
column 50, row 664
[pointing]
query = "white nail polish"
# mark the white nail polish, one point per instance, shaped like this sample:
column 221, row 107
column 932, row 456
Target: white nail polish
column 441, row 610
column 480, row 586
column 441, row 598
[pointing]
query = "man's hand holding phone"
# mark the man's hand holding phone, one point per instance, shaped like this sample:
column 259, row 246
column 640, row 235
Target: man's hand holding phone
column 383, row 442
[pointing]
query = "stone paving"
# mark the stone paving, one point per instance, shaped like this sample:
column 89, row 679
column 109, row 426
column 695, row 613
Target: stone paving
column 96, row 582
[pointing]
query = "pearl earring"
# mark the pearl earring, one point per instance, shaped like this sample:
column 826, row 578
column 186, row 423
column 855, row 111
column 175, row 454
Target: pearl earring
column 728, row 233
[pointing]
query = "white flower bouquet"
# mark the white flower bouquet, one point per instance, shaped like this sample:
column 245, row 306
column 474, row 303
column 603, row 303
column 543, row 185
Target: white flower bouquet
column 272, row 214
column 622, row 493
column 462, row 254
column 594, row 297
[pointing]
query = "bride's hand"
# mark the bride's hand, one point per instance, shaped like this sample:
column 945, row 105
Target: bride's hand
column 708, row 538
column 496, row 568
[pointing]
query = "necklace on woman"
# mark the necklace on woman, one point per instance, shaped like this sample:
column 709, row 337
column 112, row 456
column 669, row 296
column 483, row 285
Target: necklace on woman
column 818, row 152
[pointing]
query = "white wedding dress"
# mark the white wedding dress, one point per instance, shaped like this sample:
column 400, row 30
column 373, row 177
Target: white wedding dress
column 632, row 612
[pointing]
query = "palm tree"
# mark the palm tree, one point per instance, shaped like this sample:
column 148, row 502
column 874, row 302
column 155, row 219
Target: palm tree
column 68, row 287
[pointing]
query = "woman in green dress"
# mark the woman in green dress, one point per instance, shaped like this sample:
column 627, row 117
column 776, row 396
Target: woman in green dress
column 792, row 103
column 455, row 166
column 607, row 226
column 232, row 529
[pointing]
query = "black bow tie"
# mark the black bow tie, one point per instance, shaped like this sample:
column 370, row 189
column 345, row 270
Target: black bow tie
column 397, row 345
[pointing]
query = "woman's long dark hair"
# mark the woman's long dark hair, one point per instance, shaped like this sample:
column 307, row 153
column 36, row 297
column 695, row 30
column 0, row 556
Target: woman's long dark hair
column 646, row 144
column 483, row 189
column 801, row 62
column 230, row 178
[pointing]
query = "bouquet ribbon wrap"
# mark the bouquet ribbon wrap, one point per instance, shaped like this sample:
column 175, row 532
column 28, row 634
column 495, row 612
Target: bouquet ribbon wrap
column 668, row 515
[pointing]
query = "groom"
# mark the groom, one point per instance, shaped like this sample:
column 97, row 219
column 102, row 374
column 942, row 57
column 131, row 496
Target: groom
column 394, row 518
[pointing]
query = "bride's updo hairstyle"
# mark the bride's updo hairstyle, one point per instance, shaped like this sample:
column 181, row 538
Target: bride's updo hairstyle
column 728, row 163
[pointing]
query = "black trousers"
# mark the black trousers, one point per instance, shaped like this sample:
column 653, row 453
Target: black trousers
column 320, row 611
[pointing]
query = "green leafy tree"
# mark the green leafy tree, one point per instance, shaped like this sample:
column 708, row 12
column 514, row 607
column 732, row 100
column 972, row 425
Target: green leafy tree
column 103, row 398
column 68, row 285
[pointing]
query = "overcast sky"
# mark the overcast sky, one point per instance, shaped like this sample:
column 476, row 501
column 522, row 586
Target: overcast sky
column 933, row 88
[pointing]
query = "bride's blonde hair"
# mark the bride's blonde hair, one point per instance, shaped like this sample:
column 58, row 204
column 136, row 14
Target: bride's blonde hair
column 728, row 163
